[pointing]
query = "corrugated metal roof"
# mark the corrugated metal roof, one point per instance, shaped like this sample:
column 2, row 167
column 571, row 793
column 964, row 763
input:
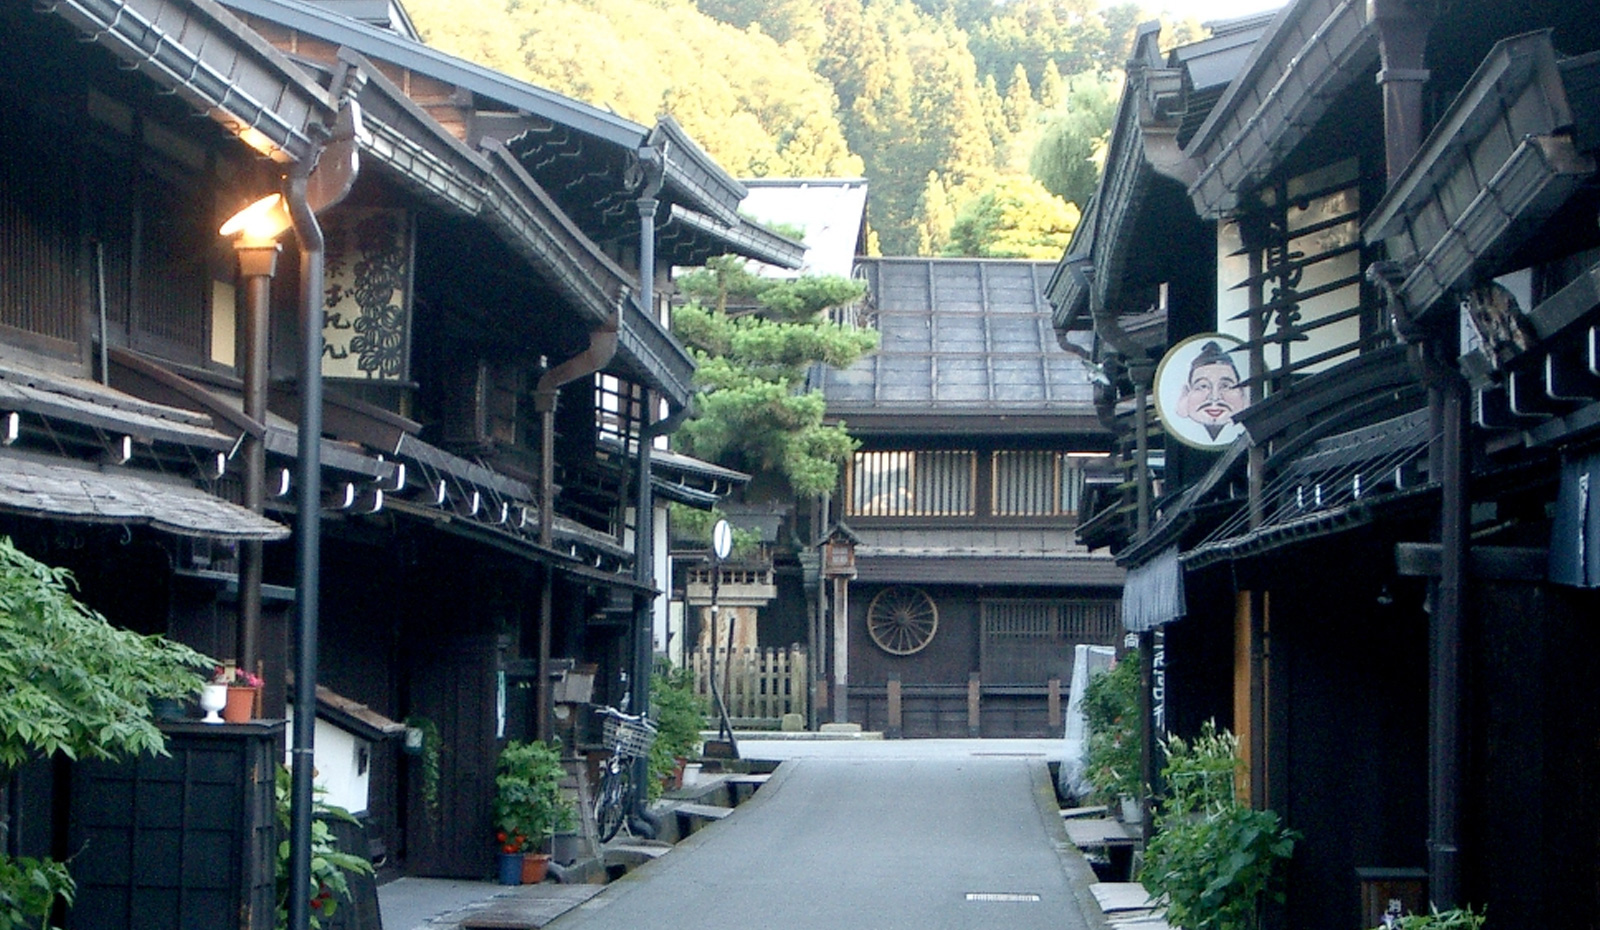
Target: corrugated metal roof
column 961, row 334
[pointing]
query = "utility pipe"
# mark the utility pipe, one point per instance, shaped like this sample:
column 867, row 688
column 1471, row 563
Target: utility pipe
column 308, row 543
column 602, row 348
column 653, row 161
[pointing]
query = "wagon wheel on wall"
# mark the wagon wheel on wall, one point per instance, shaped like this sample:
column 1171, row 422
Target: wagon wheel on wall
column 902, row 620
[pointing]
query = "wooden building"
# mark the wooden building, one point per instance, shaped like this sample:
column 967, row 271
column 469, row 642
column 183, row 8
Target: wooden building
column 978, row 439
column 494, row 363
column 1380, row 585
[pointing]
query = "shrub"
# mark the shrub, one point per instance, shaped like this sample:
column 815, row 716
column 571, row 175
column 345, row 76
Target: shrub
column 679, row 715
column 329, row 882
column 1454, row 919
column 528, row 804
column 1114, row 764
column 1213, row 859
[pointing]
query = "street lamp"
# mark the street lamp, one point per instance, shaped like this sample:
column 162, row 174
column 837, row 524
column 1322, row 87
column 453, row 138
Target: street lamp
column 258, row 226
column 255, row 231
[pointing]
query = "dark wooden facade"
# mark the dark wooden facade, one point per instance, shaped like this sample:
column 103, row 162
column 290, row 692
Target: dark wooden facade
column 1375, row 583
column 978, row 440
column 459, row 289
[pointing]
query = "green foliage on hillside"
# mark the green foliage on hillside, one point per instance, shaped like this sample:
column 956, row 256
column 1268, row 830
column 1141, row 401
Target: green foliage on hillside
column 935, row 102
column 1016, row 218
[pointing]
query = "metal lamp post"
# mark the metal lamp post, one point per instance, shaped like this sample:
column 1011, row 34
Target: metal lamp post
column 256, row 229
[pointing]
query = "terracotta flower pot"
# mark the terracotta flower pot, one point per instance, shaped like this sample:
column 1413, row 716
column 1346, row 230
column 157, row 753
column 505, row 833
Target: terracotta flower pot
column 241, row 706
column 534, row 867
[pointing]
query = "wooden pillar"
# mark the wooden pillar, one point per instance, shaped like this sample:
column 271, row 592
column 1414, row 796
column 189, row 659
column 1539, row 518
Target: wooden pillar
column 974, row 698
column 1053, row 703
column 895, row 723
column 841, row 649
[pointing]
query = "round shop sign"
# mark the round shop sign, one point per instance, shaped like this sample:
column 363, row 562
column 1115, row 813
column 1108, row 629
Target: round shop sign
column 721, row 540
column 1200, row 389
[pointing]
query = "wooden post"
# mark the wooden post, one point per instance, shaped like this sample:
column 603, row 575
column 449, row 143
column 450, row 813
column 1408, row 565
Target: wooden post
column 1053, row 701
column 841, row 650
column 894, row 708
column 974, row 729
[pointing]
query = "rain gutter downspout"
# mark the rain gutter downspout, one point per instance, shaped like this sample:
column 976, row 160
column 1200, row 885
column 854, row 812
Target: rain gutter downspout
column 602, row 348
column 337, row 154
column 1403, row 27
column 308, row 542
column 653, row 162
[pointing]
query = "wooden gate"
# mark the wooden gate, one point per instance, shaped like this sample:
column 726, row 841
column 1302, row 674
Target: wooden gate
column 759, row 686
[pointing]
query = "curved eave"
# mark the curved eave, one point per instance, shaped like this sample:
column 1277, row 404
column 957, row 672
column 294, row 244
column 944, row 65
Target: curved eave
column 651, row 356
column 398, row 50
column 699, row 236
column 204, row 55
column 691, row 174
column 1314, row 50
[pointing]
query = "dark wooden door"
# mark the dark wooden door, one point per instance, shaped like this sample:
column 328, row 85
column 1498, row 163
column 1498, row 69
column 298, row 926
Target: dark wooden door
column 453, row 683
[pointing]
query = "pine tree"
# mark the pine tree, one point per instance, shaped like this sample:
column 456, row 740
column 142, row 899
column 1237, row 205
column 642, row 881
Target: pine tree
column 1052, row 87
column 753, row 339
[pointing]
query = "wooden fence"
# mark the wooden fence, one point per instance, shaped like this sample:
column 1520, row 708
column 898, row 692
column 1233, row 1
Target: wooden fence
column 758, row 686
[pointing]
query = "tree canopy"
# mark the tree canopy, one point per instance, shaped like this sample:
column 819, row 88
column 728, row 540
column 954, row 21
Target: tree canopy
column 1016, row 218
column 969, row 93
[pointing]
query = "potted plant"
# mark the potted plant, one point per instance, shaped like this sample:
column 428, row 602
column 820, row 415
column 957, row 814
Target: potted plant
column 528, row 809
column 244, row 690
column 679, row 715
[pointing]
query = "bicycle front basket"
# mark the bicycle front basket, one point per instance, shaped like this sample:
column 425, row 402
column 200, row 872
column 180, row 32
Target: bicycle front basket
column 630, row 737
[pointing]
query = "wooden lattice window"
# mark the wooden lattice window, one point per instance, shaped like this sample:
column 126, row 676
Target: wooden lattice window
column 41, row 276
column 1033, row 483
column 1027, row 642
column 912, row 484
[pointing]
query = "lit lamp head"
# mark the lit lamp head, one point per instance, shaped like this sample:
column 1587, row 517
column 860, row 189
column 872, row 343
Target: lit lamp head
column 255, row 231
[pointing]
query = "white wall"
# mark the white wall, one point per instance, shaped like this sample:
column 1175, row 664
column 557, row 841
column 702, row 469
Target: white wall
column 338, row 758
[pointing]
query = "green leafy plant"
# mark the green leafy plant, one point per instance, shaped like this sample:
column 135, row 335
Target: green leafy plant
column 528, row 804
column 1213, row 859
column 1114, row 762
column 74, row 684
column 331, row 867
column 29, row 890
column 679, row 715
column 1462, row 918
column 432, row 747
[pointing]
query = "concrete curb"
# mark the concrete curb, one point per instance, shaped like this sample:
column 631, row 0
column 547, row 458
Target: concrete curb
column 1077, row 869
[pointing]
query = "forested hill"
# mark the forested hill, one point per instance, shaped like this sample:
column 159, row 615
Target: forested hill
column 975, row 122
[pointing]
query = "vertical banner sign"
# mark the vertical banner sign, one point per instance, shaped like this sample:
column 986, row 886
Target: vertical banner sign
column 367, row 309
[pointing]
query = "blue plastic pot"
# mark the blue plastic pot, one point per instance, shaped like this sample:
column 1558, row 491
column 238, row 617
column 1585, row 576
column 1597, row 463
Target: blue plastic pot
column 510, row 868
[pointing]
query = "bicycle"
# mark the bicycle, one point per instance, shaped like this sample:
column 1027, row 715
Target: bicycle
column 628, row 737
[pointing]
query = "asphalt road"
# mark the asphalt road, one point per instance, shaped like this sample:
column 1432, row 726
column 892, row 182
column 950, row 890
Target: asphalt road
column 864, row 844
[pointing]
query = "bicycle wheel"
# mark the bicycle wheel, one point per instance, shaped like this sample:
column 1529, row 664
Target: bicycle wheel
column 610, row 803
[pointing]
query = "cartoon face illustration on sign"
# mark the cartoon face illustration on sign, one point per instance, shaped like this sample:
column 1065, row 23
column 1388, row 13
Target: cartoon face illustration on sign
column 1212, row 394
column 1200, row 389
